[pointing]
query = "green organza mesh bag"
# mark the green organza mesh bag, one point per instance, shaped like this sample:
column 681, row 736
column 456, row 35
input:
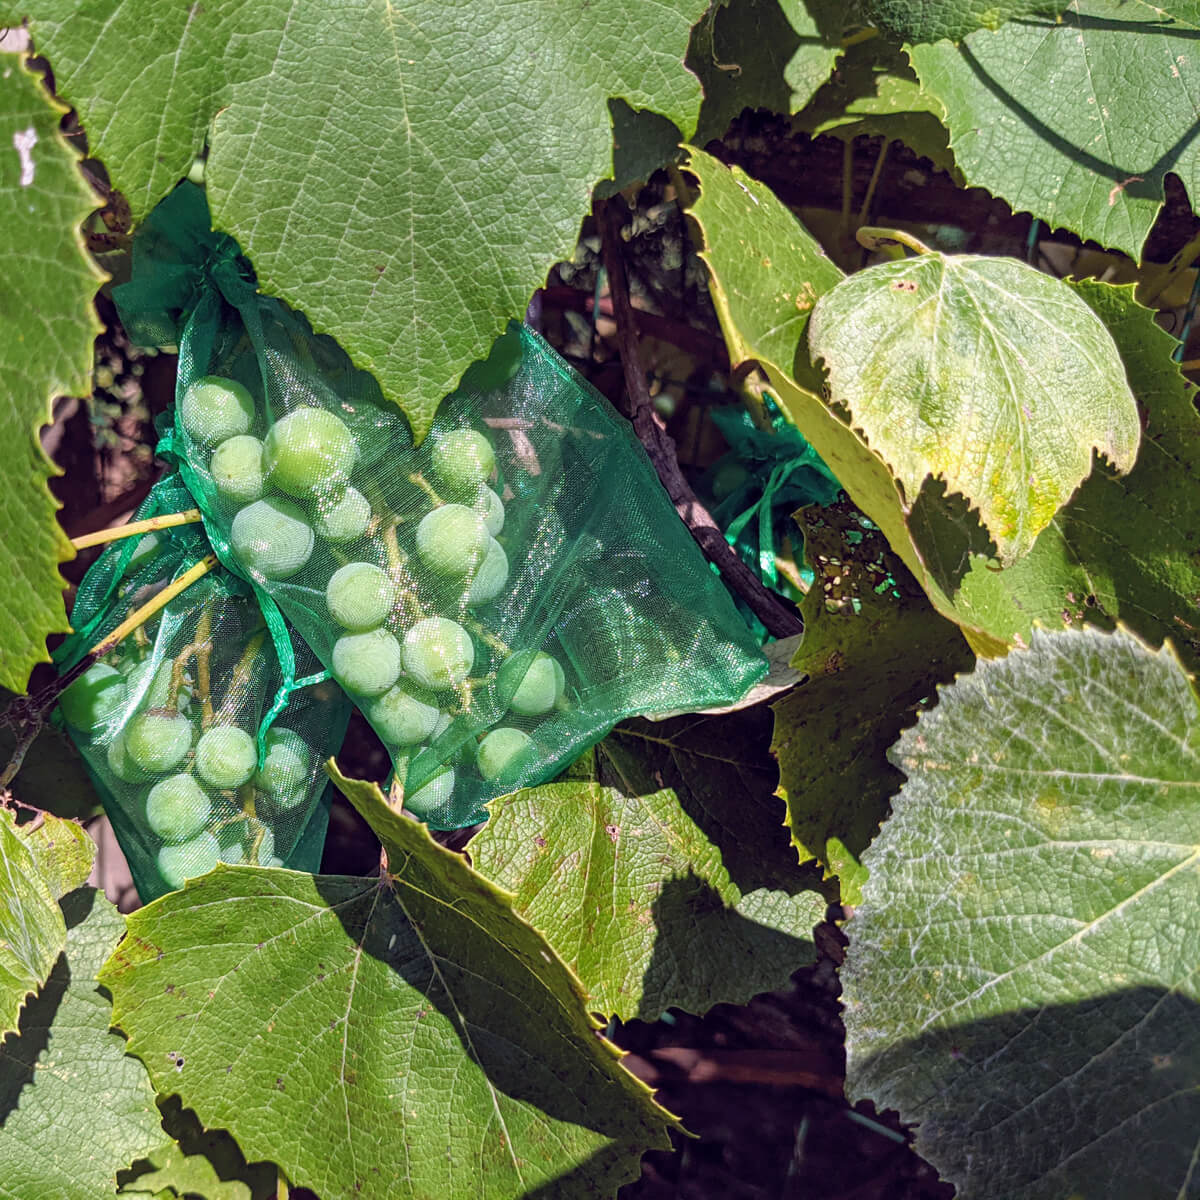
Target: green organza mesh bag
column 202, row 746
column 494, row 600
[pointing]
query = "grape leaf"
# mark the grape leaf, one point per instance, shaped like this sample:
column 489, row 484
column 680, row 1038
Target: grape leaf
column 951, row 19
column 52, row 774
column 74, row 1108
column 418, row 1014
column 1125, row 547
column 873, row 648
column 1021, row 978
column 1076, row 122
column 664, row 925
column 32, row 933
column 771, row 54
column 722, row 775
column 981, row 372
column 875, row 93
column 408, row 197
column 49, row 323
column 64, row 854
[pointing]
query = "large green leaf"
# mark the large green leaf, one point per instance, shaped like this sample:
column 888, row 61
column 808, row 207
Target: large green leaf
column 771, row 54
column 416, row 1015
column 1078, row 121
column 951, row 19
column 74, row 1107
column 32, row 933
column 1022, row 976
column 1125, row 547
column 873, row 649
column 981, row 372
column 403, row 173
column 721, row 772
column 47, row 283
column 636, row 901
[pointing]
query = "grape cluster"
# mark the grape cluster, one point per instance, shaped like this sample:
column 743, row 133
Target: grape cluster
column 389, row 574
column 206, row 799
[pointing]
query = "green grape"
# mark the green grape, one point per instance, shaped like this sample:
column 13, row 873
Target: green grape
column 403, row 716
column 360, row 596
column 237, row 469
column 462, row 459
column 431, row 795
column 345, row 518
column 94, row 698
column 119, row 762
column 197, row 857
column 156, row 741
column 452, row 539
column 444, row 722
column 541, row 685
column 213, row 409
column 241, row 850
column 271, row 538
column 286, row 766
column 491, row 576
column 492, row 508
column 225, row 756
column 438, row 653
column 143, row 552
column 366, row 664
column 502, row 755
column 154, row 679
column 309, row 450
column 177, row 808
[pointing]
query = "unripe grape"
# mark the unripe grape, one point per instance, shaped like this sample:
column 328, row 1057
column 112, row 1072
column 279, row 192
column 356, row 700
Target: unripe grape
column 438, row 653
column 286, row 767
column 197, row 857
column 462, row 459
column 213, row 409
column 225, row 756
column 452, row 539
column 492, row 508
column 156, row 741
column 360, row 595
column 144, row 551
column 271, row 538
column 94, row 698
column 491, row 577
column 155, row 680
column 119, row 762
column 431, row 795
column 343, row 519
column 403, row 716
column 502, row 755
column 241, row 849
column 237, row 469
column 366, row 664
column 541, row 685
column 177, row 808
column 443, row 723
column 309, row 450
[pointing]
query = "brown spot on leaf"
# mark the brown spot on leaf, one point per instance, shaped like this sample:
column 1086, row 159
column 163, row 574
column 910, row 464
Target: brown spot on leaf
column 904, row 285
column 613, row 831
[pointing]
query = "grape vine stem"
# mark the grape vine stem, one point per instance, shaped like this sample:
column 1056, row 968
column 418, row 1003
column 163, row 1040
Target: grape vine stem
column 779, row 620
column 149, row 525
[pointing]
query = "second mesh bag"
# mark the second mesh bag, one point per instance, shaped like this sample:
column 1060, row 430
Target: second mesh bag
column 496, row 599
column 201, row 745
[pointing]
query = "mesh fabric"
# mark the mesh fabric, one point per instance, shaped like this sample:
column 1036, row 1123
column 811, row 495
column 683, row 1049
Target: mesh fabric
column 529, row 523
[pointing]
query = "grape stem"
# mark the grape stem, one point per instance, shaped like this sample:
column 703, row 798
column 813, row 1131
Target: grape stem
column 133, row 528
column 201, row 650
column 425, row 486
column 240, row 678
column 778, row 618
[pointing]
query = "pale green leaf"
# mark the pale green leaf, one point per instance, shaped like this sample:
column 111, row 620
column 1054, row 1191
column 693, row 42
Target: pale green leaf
column 1076, row 122
column 418, row 1016
column 933, row 20
column 1021, row 981
column 771, row 54
column 636, row 901
column 32, row 933
column 981, row 372
column 404, row 174
column 873, row 649
column 47, row 283
column 74, row 1107
column 64, row 854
